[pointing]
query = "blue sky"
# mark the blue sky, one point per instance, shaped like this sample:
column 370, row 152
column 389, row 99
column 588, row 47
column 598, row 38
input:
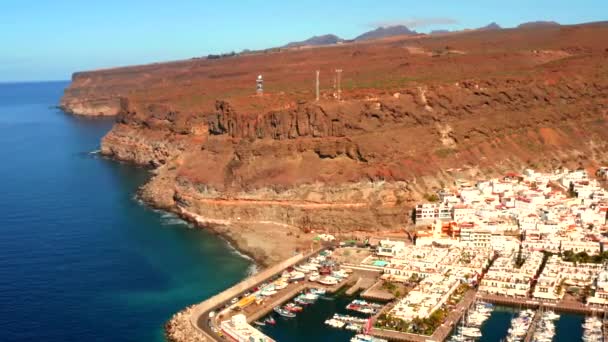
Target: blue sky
column 49, row 40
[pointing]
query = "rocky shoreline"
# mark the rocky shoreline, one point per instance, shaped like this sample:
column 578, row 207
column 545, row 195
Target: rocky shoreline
column 179, row 328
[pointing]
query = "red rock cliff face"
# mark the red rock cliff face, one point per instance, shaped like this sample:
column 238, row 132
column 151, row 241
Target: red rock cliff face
column 102, row 102
column 358, row 165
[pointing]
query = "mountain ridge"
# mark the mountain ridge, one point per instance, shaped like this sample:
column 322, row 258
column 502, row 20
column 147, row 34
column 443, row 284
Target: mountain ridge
column 385, row 31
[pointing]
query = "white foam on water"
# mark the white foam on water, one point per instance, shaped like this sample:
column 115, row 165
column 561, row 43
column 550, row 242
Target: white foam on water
column 166, row 215
column 236, row 251
column 171, row 219
column 252, row 269
column 166, row 218
column 175, row 221
column 139, row 200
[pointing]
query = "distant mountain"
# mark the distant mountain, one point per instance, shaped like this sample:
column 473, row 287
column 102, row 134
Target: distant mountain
column 382, row 32
column 540, row 23
column 440, row 31
column 327, row 39
column 491, row 26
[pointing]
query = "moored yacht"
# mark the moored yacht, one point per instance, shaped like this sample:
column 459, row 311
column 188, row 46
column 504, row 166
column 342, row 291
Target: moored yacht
column 297, row 276
column 328, row 280
column 284, row 312
column 314, row 276
column 366, row 338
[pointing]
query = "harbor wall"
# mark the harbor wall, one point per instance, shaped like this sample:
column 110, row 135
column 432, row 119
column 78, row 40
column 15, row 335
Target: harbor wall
column 528, row 303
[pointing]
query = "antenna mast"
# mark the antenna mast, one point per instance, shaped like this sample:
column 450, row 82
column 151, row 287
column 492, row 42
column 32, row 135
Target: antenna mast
column 317, row 87
column 338, row 81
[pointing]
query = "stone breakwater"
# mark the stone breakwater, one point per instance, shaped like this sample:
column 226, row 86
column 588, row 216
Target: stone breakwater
column 180, row 329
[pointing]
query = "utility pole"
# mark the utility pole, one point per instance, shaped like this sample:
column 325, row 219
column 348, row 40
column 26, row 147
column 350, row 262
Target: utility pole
column 338, row 80
column 317, row 87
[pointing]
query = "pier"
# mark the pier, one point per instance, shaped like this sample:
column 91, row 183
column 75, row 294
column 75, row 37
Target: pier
column 366, row 280
column 532, row 329
column 288, row 294
column 376, row 293
column 561, row 306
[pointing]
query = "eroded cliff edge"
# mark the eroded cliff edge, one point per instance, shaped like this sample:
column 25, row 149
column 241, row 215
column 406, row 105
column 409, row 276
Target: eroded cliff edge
column 355, row 166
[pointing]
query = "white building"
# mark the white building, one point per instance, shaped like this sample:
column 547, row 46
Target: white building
column 424, row 299
column 463, row 212
column 239, row 330
column 390, row 248
column 429, row 212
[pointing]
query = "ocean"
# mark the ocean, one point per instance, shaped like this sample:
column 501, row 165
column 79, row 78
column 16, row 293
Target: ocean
column 80, row 258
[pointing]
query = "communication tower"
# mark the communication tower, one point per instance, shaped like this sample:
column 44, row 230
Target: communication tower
column 259, row 85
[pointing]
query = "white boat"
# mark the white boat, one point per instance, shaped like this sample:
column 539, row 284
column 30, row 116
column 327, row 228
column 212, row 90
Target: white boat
column 268, row 290
column 592, row 329
column 318, row 291
column 284, row 312
column 335, row 323
column 310, row 297
column 309, row 267
column 268, row 293
column 551, row 315
column 350, row 319
column 297, row 276
column 280, row 284
column 366, row 338
column 314, row 276
column 328, row 280
column 301, row 269
column 353, row 327
column 471, row 332
column 339, row 274
column 520, row 325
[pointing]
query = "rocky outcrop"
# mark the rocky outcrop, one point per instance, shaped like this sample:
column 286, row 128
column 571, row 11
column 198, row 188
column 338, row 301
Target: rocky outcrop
column 95, row 106
column 179, row 328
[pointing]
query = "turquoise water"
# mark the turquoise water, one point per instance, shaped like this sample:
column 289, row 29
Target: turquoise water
column 309, row 324
column 568, row 328
column 80, row 258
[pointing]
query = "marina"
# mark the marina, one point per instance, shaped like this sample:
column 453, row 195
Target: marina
column 279, row 305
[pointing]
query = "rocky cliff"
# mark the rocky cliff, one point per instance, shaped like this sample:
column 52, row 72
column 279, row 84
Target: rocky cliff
column 267, row 171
